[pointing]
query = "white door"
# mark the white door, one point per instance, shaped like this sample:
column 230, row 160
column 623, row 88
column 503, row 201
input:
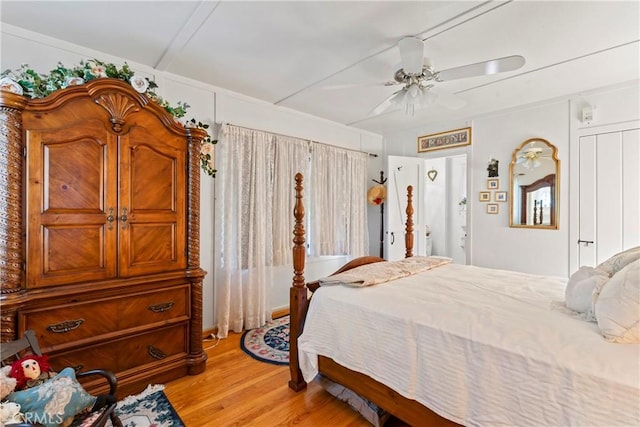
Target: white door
column 608, row 192
column 402, row 172
column 439, row 185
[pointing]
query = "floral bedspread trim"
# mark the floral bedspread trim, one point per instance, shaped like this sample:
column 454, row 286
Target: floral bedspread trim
column 381, row 272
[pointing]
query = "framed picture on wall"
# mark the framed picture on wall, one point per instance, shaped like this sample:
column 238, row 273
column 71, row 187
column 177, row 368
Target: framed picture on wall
column 485, row 196
column 437, row 141
column 500, row 196
column 492, row 208
column 493, row 183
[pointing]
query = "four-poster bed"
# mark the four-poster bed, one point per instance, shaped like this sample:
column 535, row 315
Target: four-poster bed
column 458, row 344
column 406, row 409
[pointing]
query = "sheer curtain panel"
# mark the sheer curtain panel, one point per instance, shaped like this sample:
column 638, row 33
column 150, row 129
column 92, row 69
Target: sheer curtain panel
column 254, row 203
column 337, row 206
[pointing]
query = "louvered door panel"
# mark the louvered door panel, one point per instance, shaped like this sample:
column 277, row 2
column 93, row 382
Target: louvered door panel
column 152, row 196
column 72, row 176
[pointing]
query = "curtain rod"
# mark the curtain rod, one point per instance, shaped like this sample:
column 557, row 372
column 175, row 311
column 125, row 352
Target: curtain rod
column 310, row 140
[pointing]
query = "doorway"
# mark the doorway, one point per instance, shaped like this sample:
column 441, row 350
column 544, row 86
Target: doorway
column 440, row 206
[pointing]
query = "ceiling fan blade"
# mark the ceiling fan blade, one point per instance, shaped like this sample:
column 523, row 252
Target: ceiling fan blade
column 353, row 85
column 493, row 66
column 386, row 105
column 448, row 100
column 411, row 54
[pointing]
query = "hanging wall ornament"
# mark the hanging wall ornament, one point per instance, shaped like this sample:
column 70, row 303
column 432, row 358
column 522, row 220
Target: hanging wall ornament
column 432, row 174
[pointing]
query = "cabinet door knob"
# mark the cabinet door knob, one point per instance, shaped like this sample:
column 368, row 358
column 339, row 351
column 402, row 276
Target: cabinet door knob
column 110, row 219
column 124, row 218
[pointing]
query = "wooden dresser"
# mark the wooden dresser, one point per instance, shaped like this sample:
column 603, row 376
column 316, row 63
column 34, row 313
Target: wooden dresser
column 99, row 232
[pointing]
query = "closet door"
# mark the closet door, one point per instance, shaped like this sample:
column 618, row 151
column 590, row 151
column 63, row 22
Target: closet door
column 609, row 184
column 71, row 193
column 152, row 202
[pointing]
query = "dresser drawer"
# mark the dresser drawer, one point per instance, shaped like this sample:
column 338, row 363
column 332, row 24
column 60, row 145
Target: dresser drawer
column 64, row 324
column 126, row 353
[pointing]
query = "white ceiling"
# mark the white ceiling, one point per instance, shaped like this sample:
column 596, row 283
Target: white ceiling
column 287, row 53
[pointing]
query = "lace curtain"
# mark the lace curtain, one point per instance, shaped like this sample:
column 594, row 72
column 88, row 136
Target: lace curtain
column 254, row 214
column 337, row 207
column 254, row 205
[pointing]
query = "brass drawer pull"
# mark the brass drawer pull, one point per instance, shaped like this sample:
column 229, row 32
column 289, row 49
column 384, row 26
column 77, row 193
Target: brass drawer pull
column 155, row 352
column 162, row 307
column 66, row 326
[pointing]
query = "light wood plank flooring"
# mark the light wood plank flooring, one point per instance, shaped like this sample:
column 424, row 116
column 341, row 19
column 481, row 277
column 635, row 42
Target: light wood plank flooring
column 237, row 390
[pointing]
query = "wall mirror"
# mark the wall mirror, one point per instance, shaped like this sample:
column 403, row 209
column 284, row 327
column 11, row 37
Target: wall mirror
column 535, row 185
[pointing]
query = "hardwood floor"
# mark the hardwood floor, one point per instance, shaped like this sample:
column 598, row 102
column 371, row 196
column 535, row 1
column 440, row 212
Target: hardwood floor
column 237, row 390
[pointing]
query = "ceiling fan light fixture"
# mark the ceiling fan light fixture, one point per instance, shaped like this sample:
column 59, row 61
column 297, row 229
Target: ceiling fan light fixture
column 411, row 54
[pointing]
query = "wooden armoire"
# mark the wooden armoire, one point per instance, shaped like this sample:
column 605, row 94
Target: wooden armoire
column 99, row 232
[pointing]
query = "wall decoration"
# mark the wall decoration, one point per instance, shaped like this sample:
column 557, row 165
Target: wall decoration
column 500, row 196
column 437, row 141
column 493, row 183
column 492, row 168
column 492, row 208
column 432, row 174
column 485, row 196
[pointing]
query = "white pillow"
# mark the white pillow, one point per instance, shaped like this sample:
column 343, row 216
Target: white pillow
column 618, row 306
column 620, row 260
column 579, row 290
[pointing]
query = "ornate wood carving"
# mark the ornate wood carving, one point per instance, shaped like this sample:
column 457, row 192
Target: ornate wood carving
column 118, row 106
column 408, row 236
column 78, row 110
column 298, row 302
column 11, row 166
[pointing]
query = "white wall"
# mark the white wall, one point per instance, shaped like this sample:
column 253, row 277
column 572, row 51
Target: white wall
column 210, row 105
column 493, row 243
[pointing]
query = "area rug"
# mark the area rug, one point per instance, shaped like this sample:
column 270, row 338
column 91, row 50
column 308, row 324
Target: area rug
column 151, row 408
column 269, row 343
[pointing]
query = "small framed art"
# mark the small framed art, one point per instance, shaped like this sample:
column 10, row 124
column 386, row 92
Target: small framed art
column 500, row 196
column 492, row 208
column 437, row 141
column 485, row 196
column 493, row 184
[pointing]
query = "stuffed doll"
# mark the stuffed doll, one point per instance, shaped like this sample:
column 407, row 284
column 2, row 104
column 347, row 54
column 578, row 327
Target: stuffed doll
column 31, row 371
column 7, row 383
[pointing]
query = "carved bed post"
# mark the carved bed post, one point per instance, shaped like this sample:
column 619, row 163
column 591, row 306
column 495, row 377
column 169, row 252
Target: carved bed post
column 408, row 235
column 298, row 294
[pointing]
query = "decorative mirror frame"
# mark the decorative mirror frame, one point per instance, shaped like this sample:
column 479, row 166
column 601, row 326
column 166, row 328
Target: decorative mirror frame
column 554, row 182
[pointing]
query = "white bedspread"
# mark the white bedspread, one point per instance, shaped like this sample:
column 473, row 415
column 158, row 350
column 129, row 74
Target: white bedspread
column 478, row 346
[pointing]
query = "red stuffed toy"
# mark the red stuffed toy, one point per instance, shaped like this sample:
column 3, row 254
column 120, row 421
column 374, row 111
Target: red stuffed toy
column 31, row 371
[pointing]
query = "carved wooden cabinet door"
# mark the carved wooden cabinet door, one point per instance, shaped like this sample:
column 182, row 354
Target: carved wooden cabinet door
column 151, row 209
column 103, row 205
column 71, row 201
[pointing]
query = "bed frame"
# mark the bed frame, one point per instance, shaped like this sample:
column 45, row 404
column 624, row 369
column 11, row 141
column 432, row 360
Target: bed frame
column 408, row 410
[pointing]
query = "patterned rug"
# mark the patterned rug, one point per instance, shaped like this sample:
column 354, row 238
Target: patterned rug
column 270, row 343
column 151, row 408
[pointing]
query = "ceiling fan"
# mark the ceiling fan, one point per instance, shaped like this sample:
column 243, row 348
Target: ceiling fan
column 417, row 77
column 530, row 157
